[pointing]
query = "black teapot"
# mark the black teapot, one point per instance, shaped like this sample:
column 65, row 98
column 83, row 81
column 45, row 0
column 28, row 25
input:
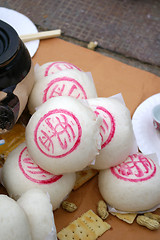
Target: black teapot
column 16, row 76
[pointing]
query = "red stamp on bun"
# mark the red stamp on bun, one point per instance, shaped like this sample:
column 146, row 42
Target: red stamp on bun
column 57, row 133
column 59, row 66
column 33, row 172
column 107, row 129
column 64, row 86
column 136, row 168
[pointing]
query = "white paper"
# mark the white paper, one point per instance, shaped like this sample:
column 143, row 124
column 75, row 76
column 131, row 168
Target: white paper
column 53, row 234
column 36, row 67
column 111, row 209
column 119, row 97
column 93, row 162
column 90, row 76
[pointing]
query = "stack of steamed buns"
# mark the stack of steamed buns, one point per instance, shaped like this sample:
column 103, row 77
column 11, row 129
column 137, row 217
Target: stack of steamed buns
column 72, row 129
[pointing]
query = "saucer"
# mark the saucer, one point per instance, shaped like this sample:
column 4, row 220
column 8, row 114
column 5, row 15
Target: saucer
column 147, row 137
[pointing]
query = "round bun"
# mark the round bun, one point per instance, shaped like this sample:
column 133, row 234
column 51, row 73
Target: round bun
column 72, row 83
column 63, row 135
column 50, row 68
column 14, row 223
column 20, row 173
column 131, row 186
column 37, row 206
column 116, row 132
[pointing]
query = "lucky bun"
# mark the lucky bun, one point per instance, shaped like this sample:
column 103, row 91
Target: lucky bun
column 20, row 173
column 72, row 83
column 116, row 132
column 51, row 68
column 36, row 204
column 133, row 185
column 62, row 136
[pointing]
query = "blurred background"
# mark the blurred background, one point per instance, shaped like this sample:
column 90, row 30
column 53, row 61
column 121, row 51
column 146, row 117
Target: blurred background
column 127, row 30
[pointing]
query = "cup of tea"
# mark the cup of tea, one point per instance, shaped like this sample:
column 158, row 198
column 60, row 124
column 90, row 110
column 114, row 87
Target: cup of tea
column 156, row 116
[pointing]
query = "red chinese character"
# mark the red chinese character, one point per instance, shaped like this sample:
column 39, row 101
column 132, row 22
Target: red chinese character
column 107, row 128
column 33, row 172
column 58, row 133
column 64, row 86
column 59, row 66
column 136, row 168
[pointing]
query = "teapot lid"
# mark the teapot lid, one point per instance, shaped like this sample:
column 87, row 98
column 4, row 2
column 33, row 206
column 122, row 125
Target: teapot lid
column 15, row 60
column 9, row 42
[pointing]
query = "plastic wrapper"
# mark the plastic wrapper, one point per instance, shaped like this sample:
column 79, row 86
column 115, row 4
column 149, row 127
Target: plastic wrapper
column 11, row 140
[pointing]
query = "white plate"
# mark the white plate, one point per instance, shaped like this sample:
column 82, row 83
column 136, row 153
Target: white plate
column 22, row 24
column 147, row 137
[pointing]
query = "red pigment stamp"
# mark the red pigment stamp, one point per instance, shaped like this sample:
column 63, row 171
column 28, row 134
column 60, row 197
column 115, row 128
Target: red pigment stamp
column 59, row 66
column 64, row 86
column 58, row 133
column 33, row 172
column 137, row 168
column 107, row 129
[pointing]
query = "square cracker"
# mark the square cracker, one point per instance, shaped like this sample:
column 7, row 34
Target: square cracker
column 127, row 217
column 83, row 177
column 77, row 230
column 94, row 222
column 87, row 227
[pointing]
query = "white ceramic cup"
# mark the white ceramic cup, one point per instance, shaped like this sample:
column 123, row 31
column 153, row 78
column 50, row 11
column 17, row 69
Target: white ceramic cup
column 156, row 116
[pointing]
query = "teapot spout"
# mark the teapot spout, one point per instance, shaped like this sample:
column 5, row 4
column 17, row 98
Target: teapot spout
column 9, row 109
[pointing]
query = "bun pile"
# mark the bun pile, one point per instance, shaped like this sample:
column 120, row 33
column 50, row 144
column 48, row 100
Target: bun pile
column 72, row 129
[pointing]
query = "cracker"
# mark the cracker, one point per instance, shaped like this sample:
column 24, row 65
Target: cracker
column 94, row 222
column 87, row 227
column 84, row 176
column 127, row 217
column 77, row 230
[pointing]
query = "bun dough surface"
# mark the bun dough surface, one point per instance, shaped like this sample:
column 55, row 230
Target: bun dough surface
column 63, row 135
column 20, row 174
column 72, row 83
column 131, row 186
column 38, row 209
column 14, row 223
column 116, row 132
column 50, row 68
